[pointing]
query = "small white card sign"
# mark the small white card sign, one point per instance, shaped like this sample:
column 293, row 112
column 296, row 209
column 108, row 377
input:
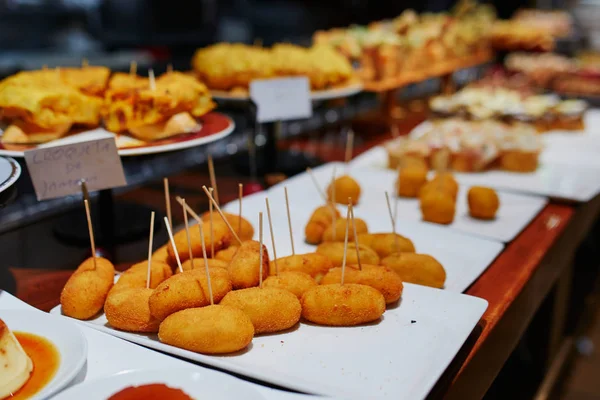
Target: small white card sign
column 57, row 171
column 281, row 99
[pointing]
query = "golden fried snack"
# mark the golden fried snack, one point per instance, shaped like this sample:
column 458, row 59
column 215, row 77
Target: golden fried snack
column 314, row 264
column 85, row 292
column 384, row 244
column 226, row 254
column 215, row 329
column 244, row 268
column 516, row 160
column 335, row 252
column 410, row 181
column 339, row 234
column 221, row 238
column 90, row 80
column 162, row 254
column 386, row 281
column 320, row 219
column 269, row 309
column 438, row 207
column 345, row 187
column 247, row 231
column 442, row 182
column 483, row 202
column 128, row 310
column 292, row 281
column 421, row 269
column 349, row 304
column 188, row 289
column 199, row 264
column 136, row 275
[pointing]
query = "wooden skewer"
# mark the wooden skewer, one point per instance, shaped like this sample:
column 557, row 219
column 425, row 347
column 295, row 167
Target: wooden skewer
column 212, row 242
column 132, row 68
column 260, row 257
column 289, row 217
column 173, row 245
column 312, row 176
column 221, row 214
column 150, row 250
column 213, row 179
column 152, row 80
column 169, row 68
column 397, row 195
column 387, row 199
column 333, row 230
column 210, row 293
column 345, row 245
column 187, row 232
column 349, row 146
column 272, row 236
column 91, row 230
column 355, row 235
column 240, row 195
column 84, row 62
column 168, row 201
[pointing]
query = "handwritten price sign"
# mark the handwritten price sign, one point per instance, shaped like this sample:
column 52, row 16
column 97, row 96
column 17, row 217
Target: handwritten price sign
column 281, row 99
column 57, row 171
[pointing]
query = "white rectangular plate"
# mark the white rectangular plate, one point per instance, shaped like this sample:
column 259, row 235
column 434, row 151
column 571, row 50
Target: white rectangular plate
column 559, row 179
column 395, row 358
column 463, row 256
column 516, row 211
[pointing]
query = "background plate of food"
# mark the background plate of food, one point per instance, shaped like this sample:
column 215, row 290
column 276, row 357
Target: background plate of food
column 43, row 354
column 168, row 384
column 211, row 127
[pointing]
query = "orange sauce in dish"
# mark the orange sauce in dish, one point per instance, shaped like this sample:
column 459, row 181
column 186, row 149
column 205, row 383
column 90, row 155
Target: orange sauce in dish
column 153, row 391
column 45, row 358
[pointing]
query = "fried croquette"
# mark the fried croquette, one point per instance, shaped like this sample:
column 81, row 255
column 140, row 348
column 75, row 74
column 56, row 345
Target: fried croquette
column 342, row 305
column 320, row 219
column 421, row 269
column 410, row 181
column 339, row 234
column 188, row 289
column 244, row 268
column 293, row 281
column 443, row 182
column 247, row 230
column 85, row 292
column 128, row 310
column 438, row 207
column 386, row 281
column 199, row 264
column 519, row 160
column 385, row 244
column 335, row 252
column 221, row 238
column 345, row 187
column 483, row 202
column 215, row 329
column 314, row 264
column 269, row 309
column 226, row 254
column 162, row 254
column 136, row 275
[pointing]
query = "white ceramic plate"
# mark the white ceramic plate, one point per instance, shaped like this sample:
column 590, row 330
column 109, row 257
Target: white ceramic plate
column 65, row 335
column 463, row 256
column 10, row 171
column 316, row 95
column 196, row 383
column 400, row 357
column 514, row 214
column 216, row 124
column 553, row 179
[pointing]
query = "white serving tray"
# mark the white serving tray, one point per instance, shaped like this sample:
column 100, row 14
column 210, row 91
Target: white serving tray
column 395, row 358
column 515, row 213
column 560, row 179
column 463, row 256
